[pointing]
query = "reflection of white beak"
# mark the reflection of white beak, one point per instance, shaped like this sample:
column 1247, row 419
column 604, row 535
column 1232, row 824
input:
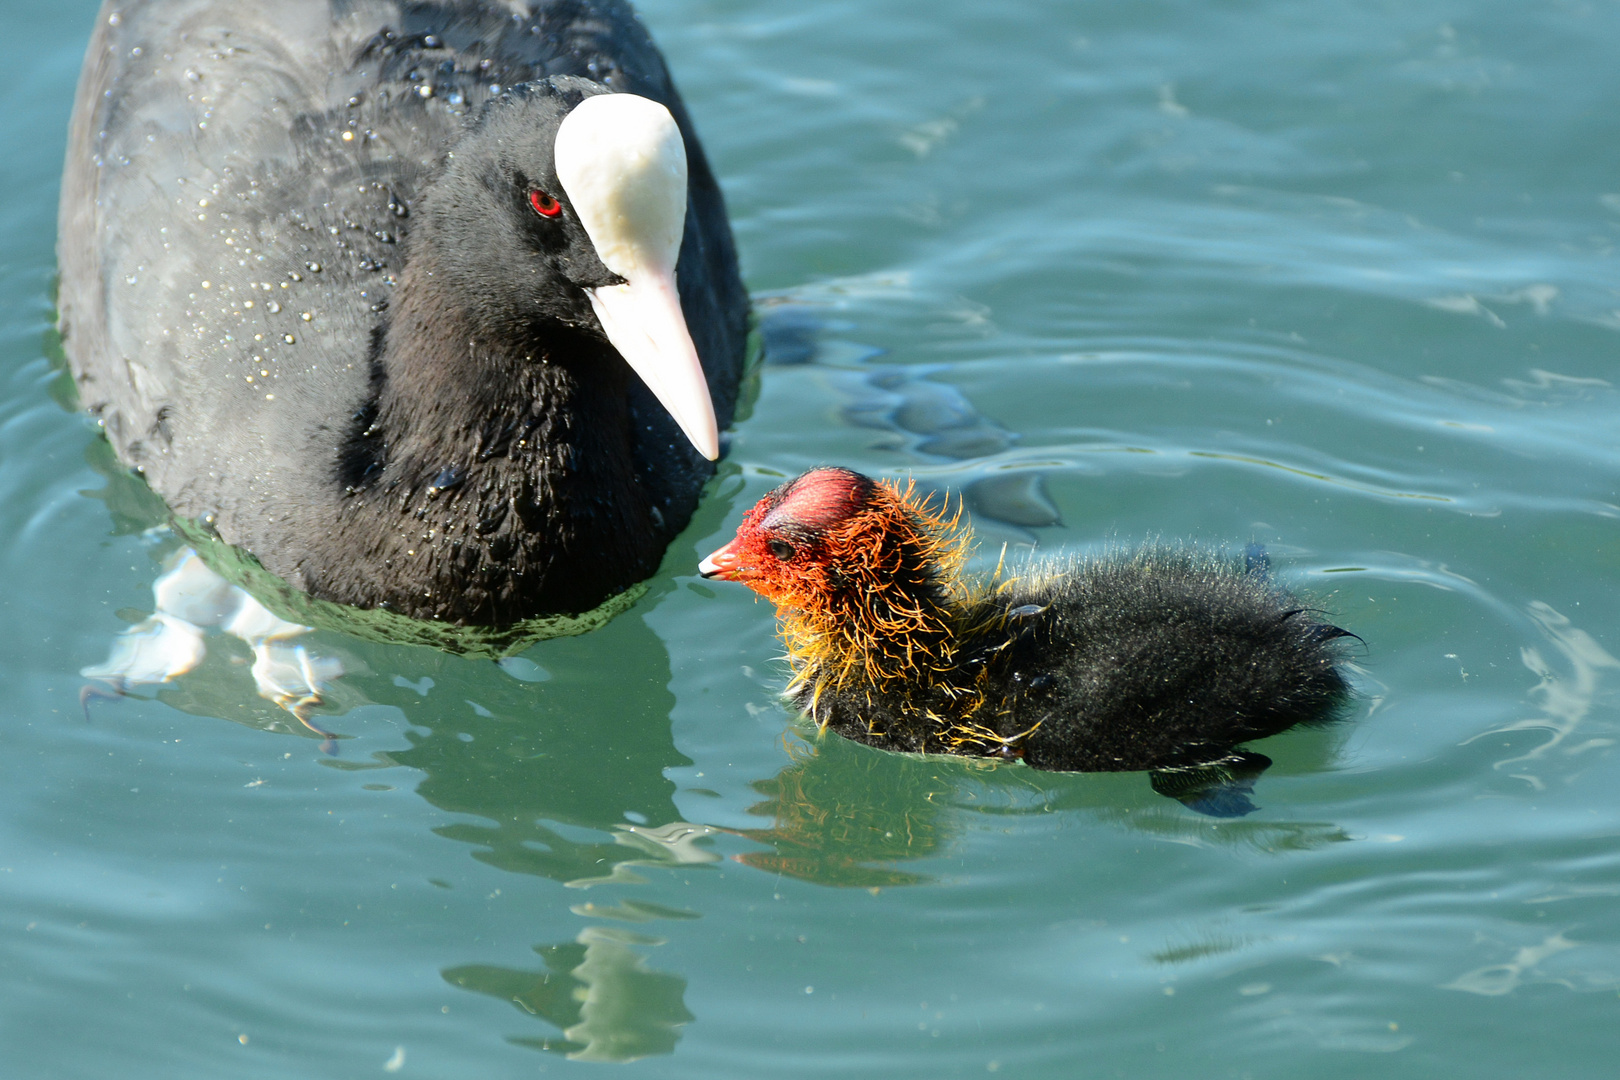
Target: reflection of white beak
column 623, row 166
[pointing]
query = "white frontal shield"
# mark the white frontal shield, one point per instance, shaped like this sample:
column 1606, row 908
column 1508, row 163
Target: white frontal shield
column 622, row 163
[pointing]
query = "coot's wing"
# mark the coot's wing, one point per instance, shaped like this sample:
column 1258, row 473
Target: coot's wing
column 207, row 177
column 221, row 152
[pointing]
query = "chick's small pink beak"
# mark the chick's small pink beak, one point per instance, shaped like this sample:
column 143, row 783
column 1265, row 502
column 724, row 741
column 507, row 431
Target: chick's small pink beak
column 722, row 564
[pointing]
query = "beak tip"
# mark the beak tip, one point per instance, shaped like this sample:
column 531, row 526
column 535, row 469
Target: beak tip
column 718, row 563
column 701, row 427
column 700, row 430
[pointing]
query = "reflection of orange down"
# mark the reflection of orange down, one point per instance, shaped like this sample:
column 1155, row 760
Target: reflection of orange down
column 609, row 1005
column 839, row 808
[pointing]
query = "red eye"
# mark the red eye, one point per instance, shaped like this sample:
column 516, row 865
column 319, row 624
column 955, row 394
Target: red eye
column 544, row 204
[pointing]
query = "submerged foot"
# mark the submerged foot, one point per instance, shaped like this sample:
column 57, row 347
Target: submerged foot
column 191, row 599
column 1218, row 788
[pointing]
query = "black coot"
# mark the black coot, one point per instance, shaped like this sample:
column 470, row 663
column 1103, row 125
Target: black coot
column 385, row 293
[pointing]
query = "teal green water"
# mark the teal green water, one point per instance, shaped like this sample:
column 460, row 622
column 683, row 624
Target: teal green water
column 1338, row 277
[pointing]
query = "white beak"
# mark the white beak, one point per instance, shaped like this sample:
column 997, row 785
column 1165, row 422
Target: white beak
column 621, row 161
column 643, row 320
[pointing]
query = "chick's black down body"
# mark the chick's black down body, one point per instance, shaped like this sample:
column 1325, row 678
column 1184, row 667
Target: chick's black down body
column 1159, row 660
column 303, row 293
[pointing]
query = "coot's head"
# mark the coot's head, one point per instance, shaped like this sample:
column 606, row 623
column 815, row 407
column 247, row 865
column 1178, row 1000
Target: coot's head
column 566, row 204
column 832, row 539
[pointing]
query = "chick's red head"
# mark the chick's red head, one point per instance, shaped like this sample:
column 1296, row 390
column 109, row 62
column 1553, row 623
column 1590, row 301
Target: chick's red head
column 864, row 577
column 789, row 546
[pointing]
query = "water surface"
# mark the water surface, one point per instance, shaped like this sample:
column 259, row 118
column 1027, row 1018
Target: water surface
column 1338, row 278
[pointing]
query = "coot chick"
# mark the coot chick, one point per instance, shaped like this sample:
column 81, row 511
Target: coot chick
column 1164, row 659
column 387, row 294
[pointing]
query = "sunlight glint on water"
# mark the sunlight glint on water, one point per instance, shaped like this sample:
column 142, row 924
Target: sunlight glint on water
column 1338, row 279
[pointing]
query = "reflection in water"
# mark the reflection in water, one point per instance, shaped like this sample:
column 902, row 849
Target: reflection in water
column 564, row 769
column 608, row 1003
column 1165, row 821
column 1266, row 837
column 568, row 774
column 1564, row 702
column 134, row 508
column 840, row 815
column 1204, row 946
column 1591, row 969
column 844, row 814
column 565, row 773
column 1498, row 979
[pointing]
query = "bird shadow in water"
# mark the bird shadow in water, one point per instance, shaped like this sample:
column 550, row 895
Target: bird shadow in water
column 926, row 421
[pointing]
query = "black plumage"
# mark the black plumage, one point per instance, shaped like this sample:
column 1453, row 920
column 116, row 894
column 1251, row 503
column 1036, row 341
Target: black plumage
column 1165, row 658
column 1160, row 658
column 304, row 291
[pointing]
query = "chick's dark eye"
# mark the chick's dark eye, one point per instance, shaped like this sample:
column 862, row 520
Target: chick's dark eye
column 781, row 549
column 544, row 204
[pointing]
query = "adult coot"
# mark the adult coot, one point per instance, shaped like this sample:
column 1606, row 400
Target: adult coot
column 385, row 292
column 1165, row 659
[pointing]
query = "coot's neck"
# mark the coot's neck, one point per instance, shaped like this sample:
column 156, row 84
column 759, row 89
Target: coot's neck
column 453, row 384
column 493, row 475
